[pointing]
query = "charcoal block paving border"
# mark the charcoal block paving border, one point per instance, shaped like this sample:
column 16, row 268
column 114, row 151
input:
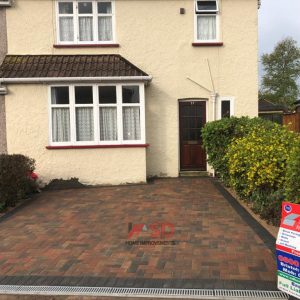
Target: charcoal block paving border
column 95, row 281
column 137, row 282
column 263, row 233
column 14, row 210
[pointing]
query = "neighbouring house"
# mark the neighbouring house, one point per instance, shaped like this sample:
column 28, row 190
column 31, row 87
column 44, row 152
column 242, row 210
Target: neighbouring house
column 3, row 51
column 271, row 111
column 111, row 92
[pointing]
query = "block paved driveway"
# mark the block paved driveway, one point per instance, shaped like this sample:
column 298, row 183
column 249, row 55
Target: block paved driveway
column 76, row 236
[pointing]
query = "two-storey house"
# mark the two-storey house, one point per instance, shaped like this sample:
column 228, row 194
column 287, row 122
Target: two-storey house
column 113, row 91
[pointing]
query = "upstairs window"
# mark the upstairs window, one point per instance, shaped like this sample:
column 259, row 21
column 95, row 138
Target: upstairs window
column 206, row 20
column 85, row 22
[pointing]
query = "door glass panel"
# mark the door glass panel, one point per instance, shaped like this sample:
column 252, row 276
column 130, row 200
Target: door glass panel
column 186, row 111
column 186, row 134
column 199, row 122
column 192, row 122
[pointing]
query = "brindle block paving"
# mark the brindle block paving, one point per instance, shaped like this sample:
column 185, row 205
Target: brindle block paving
column 83, row 233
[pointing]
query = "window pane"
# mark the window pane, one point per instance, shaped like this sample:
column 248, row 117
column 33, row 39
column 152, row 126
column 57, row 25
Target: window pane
column 104, row 8
column 66, row 29
column 108, row 124
column 84, row 124
column 225, row 109
column 60, row 95
column 85, row 8
column 131, row 94
column 131, row 123
column 65, row 7
column 86, row 28
column 60, row 125
column 206, row 5
column 107, row 94
column 105, row 29
column 83, row 95
column 206, row 27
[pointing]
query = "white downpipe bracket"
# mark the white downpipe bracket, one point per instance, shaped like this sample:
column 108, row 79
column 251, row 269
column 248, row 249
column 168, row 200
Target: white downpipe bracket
column 3, row 90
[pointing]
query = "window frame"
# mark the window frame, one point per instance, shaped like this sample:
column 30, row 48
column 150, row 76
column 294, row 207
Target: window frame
column 207, row 13
column 95, row 15
column 96, row 106
column 231, row 99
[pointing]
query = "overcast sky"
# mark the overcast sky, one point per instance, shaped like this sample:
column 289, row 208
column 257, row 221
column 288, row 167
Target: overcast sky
column 277, row 20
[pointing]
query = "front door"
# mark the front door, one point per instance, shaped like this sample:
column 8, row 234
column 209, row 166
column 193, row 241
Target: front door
column 192, row 117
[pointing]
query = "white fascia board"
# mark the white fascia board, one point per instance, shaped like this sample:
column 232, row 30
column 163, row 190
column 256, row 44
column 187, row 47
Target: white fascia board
column 75, row 79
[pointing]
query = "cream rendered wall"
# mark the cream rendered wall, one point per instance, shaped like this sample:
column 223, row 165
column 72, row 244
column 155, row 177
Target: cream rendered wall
column 27, row 126
column 154, row 36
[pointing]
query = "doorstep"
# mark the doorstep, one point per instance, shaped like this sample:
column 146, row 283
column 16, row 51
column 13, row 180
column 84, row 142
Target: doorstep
column 193, row 174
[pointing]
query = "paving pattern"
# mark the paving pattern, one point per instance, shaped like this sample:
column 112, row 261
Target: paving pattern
column 84, row 232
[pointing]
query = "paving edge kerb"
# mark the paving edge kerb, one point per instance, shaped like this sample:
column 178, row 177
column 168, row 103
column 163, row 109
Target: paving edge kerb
column 260, row 230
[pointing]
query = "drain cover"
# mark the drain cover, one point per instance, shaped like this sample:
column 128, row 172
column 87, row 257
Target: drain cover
column 142, row 292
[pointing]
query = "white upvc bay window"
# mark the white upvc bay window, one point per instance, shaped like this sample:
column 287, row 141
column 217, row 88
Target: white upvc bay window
column 206, row 21
column 85, row 22
column 108, row 114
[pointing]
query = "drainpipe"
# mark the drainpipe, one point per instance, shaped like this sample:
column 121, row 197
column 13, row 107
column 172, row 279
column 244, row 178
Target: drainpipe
column 213, row 96
column 3, row 91
column 213, row 101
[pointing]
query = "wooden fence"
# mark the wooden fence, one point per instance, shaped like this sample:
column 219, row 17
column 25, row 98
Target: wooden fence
column 292, row 121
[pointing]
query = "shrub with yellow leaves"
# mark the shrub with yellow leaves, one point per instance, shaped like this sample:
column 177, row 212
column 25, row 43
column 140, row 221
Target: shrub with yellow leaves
column 258, row 161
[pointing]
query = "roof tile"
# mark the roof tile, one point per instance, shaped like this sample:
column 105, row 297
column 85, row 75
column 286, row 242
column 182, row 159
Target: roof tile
column 35, row 66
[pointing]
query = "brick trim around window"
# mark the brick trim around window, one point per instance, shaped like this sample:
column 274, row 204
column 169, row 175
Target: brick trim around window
column 213, row 44
column 98, row 146
column 87, row 46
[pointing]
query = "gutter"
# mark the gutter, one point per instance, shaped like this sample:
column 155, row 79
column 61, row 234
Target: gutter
column 74, row 79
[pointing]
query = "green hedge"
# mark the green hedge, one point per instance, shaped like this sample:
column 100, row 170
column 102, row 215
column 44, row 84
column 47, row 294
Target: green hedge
column 218, row 135
column 292, row 184
column 259, row 159
column 14, row 178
